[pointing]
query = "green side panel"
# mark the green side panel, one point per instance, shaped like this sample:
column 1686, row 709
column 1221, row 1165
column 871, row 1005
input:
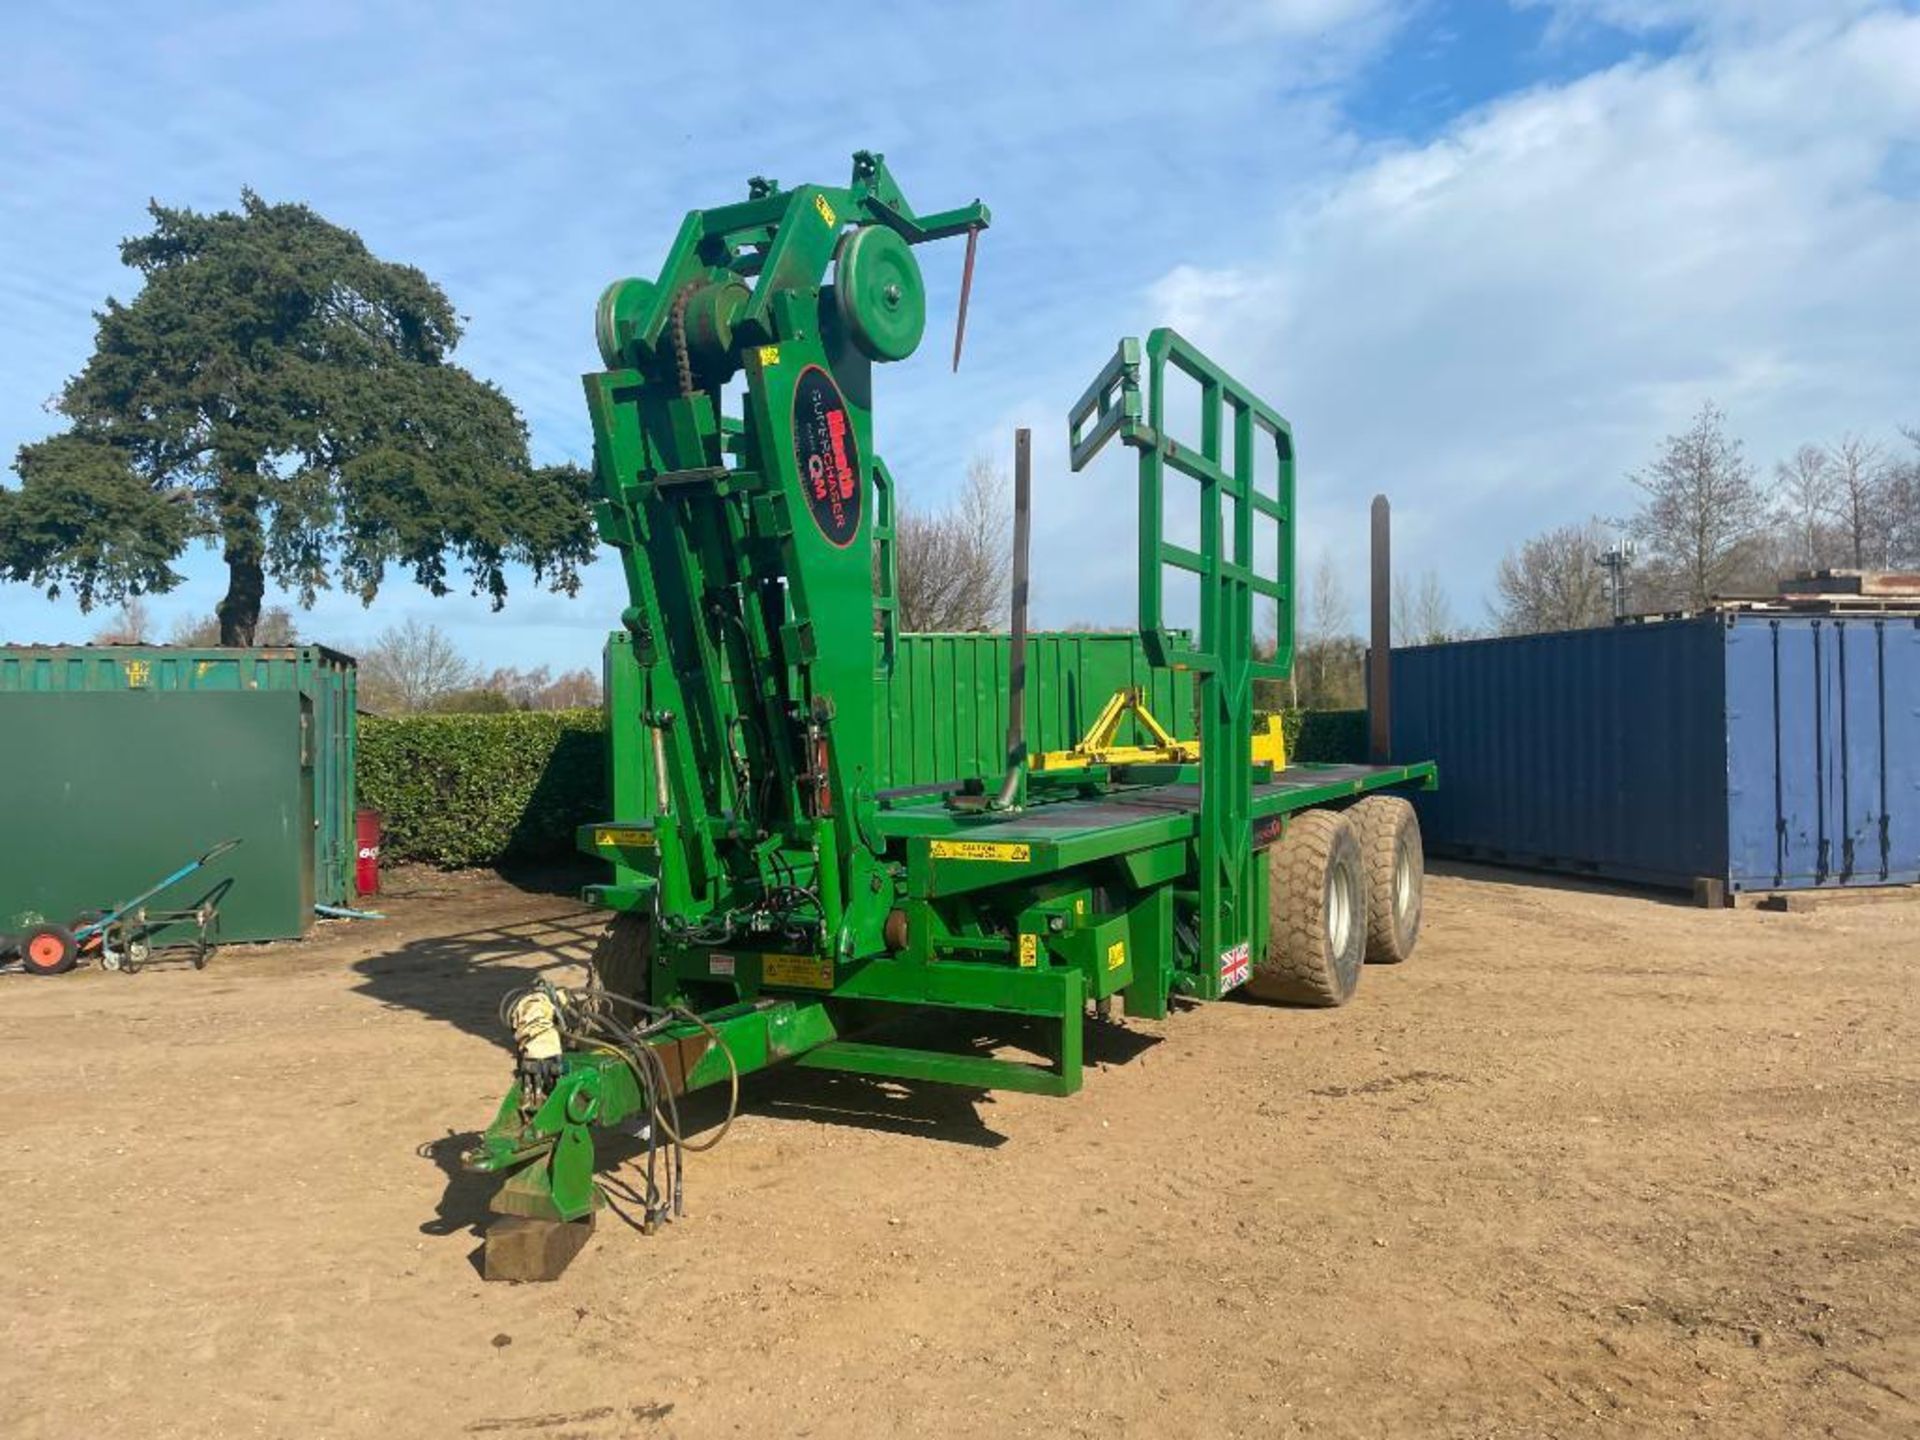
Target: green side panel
column 120, row 788
column 324, row 679
column 943, row 710
column 941, row 714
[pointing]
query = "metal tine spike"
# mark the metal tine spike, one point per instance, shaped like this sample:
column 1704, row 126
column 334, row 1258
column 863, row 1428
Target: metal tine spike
column 966, row 289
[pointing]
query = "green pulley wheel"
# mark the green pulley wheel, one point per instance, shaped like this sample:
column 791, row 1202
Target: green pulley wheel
column 621, row 305
column 710, row 314
column 882, row 300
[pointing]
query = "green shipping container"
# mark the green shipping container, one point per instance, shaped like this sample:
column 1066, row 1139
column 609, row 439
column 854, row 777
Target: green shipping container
column 132, row 760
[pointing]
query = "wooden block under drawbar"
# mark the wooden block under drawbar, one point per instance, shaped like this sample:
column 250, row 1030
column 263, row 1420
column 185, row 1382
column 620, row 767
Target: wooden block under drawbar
column 519, row 1249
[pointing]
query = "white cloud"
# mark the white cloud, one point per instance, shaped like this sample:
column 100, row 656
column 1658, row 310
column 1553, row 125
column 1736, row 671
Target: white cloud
column 1496, row 326
column 1298, row 17
column 1712, row 16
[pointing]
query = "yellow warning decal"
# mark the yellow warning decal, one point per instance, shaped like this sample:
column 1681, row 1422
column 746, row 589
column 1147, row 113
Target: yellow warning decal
column 812, row 971
column 826, row 210
column 980, row 850
column 769, row 355
column 628, row 836
column 1029, row 951
column 1116, row 954
column 137, row 672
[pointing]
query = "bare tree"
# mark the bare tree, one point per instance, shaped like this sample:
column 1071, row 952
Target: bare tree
column 1773, row 556
column 1702, row 513
column 1329, row 660
column 1422, row 613
column 540, row 689
column 1329, row 613
column 411, row 666
column 522, row 689
column 951, row 565
column 1805, row 482
column 275, row 627
column 1551, row 582
column 131, row 624
column 1859, row 499
column 1903, row 504
column 572, row 690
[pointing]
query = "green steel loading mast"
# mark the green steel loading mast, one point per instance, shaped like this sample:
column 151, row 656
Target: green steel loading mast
column 774, row 901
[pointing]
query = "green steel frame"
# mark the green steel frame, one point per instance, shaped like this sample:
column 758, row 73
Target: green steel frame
column 798, row 904
column 1236, row 427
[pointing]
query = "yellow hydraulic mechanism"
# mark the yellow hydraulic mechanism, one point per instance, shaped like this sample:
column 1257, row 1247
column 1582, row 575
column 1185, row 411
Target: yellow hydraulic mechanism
column 1097, row 746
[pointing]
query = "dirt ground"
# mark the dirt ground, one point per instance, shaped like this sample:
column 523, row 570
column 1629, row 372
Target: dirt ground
column 1593, row 1163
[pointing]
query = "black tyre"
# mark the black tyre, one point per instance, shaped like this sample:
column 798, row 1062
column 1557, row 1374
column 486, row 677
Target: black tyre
column 48, row 949
column 621, row 960
column 1316, row 915
column 1389, row 835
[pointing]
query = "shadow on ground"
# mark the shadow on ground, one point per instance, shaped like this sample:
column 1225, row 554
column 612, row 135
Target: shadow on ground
column 1553, row 880
column 461, row 979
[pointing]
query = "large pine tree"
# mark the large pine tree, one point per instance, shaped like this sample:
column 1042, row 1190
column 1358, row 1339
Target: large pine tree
column 280, row 392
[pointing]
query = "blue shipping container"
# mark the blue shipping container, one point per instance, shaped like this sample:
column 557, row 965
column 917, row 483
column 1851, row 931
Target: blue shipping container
column 1768, row 752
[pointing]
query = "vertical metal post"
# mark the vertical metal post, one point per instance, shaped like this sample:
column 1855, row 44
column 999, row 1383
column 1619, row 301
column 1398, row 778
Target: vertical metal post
column 1380, row 645
column 1017, row 640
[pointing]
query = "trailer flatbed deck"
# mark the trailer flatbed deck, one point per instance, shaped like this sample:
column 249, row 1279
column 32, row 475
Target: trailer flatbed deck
column 1298, row 787
column 1111, row 819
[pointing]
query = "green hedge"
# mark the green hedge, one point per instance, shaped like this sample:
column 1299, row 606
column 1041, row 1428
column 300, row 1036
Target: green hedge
column 461, row 790
column 1335, row 737
column 465, row 790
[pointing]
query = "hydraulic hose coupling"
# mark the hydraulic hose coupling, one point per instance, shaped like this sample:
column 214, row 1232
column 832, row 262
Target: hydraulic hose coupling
column 536, row 1037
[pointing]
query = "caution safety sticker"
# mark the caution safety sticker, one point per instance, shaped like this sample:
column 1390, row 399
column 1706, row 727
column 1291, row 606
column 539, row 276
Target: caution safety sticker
column 629, row 836
column 811, row 971
column 994, row 850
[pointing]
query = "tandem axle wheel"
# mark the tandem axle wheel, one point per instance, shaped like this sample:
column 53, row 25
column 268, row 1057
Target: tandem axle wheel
column 1344, row 889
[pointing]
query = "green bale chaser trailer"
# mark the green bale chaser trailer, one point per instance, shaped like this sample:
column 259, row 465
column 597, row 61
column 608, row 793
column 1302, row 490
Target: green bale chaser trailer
column 777, row 896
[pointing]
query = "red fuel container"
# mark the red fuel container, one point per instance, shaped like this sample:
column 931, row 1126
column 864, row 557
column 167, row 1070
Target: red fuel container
column 366, row 847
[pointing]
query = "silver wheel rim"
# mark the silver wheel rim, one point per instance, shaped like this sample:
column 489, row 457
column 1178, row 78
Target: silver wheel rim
column 1402, row 883
column 1339, row 910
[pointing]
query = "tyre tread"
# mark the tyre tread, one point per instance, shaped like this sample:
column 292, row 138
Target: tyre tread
column 1376, row 822
column 1295, row 966
column 624, row 956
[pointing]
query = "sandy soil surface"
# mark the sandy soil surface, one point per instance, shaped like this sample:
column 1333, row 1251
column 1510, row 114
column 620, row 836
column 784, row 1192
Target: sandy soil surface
column 1592, row 1163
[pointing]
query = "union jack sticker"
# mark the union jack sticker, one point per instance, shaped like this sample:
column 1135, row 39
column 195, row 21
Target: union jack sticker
column 1236, row 964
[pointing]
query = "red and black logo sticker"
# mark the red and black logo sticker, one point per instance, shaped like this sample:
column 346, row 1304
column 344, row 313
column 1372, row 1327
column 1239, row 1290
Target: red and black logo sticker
column 828, row 455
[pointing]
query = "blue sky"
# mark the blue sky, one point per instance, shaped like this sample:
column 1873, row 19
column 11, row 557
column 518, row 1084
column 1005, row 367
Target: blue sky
column 1483, row 255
